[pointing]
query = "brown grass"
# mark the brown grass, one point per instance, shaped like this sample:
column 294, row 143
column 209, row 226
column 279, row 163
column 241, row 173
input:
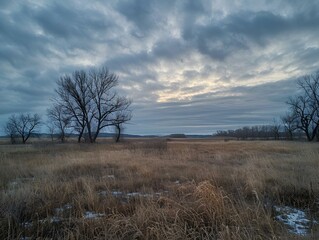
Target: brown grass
column 189, row 189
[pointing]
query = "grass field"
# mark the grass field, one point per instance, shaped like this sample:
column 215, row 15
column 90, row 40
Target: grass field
column 159, row 189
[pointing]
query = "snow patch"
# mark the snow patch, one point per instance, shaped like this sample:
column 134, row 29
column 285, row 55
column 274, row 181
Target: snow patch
column 117, row 193
column 60, row 210
column 92, row 215
column 53, row 219
column 27, row 224
column 295, row 219
column 130, row 195
column 138, row 194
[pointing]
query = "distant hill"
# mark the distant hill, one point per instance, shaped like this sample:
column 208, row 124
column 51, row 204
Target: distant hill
column 179, row 135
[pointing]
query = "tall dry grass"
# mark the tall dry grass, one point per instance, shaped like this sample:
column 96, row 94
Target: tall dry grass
column 155, row 189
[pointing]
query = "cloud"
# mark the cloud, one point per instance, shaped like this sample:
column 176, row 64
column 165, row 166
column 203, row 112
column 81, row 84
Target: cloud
column 189, row 66
column 207, row 113
column 221, row 38
column 138, row 12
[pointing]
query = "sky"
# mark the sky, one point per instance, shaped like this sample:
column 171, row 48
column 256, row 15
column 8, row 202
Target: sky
column 190, row 66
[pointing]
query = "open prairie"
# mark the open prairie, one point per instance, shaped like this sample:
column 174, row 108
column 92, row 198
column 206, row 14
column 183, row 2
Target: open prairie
column 160, row 189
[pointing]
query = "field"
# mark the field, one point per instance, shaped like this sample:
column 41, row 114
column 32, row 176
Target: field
column 160, row 189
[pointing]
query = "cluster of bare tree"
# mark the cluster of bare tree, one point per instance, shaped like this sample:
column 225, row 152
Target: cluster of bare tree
column 86, row 104
column 302, row 119
column 255, row 132
column 22, row 126
column 304, row 108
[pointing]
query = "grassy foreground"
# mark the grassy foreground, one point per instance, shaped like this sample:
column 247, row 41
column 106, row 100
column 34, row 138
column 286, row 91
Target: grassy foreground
column 156, row 189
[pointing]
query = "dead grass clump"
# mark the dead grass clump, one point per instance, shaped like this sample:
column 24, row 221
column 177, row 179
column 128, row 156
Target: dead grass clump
column 204, row 211
column 300, row 198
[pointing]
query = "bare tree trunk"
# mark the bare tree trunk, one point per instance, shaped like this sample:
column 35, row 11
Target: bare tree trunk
column 118, row 134
column 80, row 135
column 308, row 136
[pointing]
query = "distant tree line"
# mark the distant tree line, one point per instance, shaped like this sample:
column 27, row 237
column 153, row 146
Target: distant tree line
column 301, row 119
column 86, row 103
column 263, row 132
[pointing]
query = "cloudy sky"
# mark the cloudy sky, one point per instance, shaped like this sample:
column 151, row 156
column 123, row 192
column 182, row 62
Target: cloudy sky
column 190, row 66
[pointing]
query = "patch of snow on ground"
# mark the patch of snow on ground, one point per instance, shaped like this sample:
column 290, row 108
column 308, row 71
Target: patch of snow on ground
column 92, row 215
column 116, row 193
column 53, row 219
column 138, row 194
column 27, row 224
column 62, row 209
column 297, row 220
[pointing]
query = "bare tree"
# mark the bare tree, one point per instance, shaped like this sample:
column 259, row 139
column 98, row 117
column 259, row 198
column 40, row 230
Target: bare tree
column 72, row 97
column 60, row 120
column 121, row 117
column 305, row 113
column 290, row 124
column 275, row 129
column 24, row 125
column 52, row 129
column 90, row 101
column 11, row 132
column 310, row 85
column 305, row 106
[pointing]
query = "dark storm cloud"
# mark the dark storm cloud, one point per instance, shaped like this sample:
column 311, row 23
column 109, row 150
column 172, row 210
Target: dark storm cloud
column 131, row 62
column 72, row 23
column 35, row 42
column 190, row 66
column 237, row 31
column 138, row 12
column 171, row 48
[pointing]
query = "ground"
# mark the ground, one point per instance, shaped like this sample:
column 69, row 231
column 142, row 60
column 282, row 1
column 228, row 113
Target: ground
column 160, row 189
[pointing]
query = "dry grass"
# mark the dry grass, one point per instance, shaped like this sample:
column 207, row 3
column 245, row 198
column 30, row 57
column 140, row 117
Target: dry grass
column 188, row 189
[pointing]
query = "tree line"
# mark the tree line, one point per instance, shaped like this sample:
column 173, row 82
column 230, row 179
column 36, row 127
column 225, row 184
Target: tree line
column 264, row 132
column 301, row 118
column 86, row 103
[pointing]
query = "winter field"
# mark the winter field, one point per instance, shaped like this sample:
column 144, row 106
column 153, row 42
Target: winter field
column 160, row 189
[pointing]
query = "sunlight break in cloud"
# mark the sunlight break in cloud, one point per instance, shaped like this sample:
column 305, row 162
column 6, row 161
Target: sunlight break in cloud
column 190, row 66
